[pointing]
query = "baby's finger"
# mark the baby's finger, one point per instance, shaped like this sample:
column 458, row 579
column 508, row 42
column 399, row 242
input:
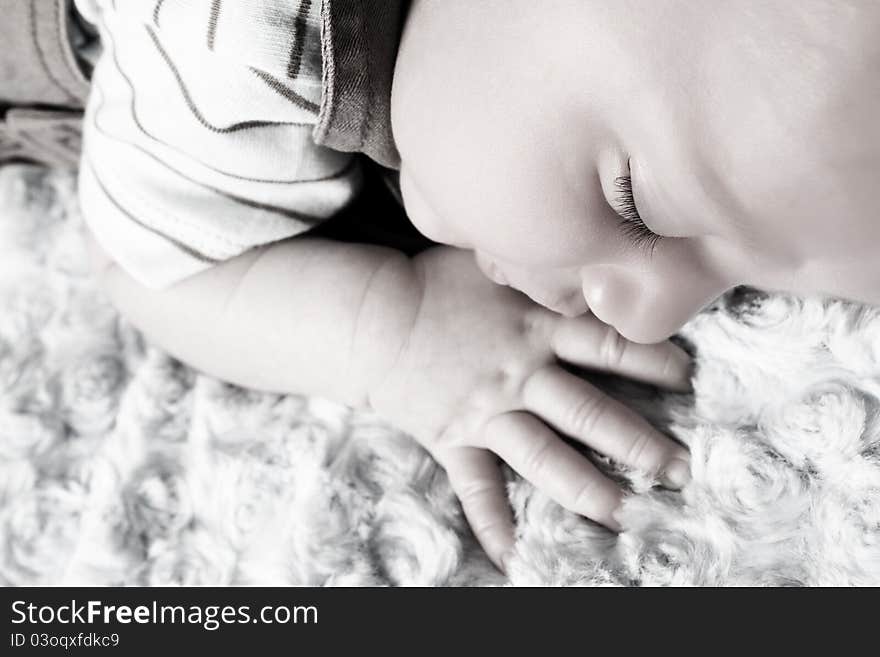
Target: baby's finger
column 532, row 449
column 587, row 342
column 477, row 481
column 582, row 411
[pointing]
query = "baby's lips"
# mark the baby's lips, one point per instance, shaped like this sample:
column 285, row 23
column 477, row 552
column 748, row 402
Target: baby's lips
column 567, row 304
column 490, row 269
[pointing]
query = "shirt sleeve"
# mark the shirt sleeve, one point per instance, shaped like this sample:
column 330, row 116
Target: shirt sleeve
column 197, row 139
column 360, row 43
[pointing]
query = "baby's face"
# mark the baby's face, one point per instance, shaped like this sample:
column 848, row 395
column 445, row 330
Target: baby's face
column 749, row 131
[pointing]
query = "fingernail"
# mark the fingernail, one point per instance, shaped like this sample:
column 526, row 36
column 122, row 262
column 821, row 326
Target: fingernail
column 506, row 560
column 677, row 474
column 681, row 367
column 613, row 522
column 687, row 383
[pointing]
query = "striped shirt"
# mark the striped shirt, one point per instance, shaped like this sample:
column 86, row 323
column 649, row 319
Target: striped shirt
column 198, row 134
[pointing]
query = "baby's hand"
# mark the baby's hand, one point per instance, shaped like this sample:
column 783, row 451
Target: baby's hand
column 479, row 376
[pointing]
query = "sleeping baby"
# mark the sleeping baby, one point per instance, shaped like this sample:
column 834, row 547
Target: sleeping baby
column 595, row 172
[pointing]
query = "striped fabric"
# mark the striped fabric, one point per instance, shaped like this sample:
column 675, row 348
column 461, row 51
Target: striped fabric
column 198, row 132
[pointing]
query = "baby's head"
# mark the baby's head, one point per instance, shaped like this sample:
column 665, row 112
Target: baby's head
column 749, row 131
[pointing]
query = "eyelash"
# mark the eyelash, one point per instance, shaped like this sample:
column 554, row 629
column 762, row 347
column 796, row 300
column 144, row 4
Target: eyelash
column 633, row 226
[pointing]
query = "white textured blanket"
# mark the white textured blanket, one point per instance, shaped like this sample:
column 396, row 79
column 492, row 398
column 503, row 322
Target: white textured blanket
column 119, row 465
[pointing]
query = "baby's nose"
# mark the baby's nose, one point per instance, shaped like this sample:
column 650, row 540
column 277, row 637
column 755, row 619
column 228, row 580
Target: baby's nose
column 648, row 305
column 639, row 310
column 607, row 298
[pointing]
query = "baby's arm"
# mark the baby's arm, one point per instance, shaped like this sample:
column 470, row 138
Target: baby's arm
column 469, row 368
column 299, row 316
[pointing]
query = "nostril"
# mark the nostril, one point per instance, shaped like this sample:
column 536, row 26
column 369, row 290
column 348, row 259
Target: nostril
column 572, row 304
column 491, row 269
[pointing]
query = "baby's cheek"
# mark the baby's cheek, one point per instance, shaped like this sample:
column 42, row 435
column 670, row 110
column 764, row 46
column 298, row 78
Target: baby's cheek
column 421, row 213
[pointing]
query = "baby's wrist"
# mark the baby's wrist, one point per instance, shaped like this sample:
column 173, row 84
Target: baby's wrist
column 385, row 321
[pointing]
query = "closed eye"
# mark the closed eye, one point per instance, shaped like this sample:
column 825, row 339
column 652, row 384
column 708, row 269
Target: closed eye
column 634, row 228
